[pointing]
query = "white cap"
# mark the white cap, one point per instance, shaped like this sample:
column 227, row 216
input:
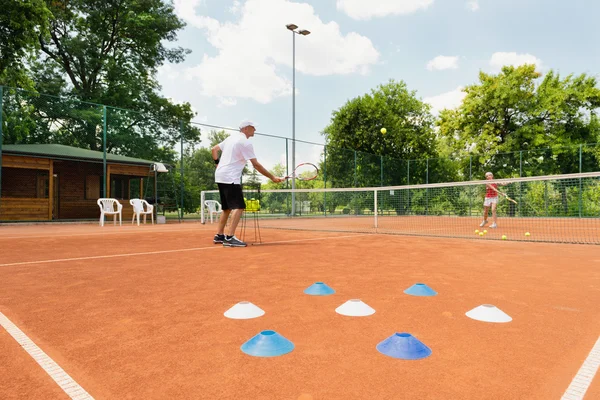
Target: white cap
column 247, row 123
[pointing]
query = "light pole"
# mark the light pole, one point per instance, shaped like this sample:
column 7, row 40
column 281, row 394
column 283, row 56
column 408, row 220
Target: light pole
column 303, row 32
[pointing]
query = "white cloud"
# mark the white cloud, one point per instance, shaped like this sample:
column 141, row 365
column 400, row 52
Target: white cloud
column 251, row 51
column 367, row 9
column 473, row 5
column 168, row 72
column 443, row 62
column 235, row 7
column 501, row 59
column 228, row 101
column 448, row 100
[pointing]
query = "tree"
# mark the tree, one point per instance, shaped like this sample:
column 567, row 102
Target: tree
column 21, row 23
column 356, row 148
column 107, row 52
column 511, row 112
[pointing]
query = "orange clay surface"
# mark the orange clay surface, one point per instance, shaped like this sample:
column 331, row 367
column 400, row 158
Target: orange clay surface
column 128, row 324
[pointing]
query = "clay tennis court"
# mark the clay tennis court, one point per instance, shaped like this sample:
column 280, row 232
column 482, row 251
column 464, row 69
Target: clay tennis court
column 137, row 312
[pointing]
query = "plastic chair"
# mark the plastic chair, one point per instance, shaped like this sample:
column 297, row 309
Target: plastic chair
column 107, row 207
column 213, row 207
column 138, row 209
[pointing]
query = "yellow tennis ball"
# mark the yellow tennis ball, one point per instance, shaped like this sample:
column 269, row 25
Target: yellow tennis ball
column 476, row 230
column 485, row 231
column 383, row 130
column 503, row 237
column 480, row 233
column 527, row 234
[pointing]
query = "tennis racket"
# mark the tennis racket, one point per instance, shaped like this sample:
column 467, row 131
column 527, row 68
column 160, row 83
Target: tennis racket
column 304, row 172
column 507, row 198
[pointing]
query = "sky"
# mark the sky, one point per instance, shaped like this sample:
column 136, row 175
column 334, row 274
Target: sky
column 240, row 65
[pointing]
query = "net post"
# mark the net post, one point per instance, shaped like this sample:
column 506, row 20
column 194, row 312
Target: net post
column 375, row 208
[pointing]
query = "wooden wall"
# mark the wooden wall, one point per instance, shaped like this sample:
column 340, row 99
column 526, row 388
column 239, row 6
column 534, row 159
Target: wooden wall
column 20, row 197
column 23, row 209
column 23, row 196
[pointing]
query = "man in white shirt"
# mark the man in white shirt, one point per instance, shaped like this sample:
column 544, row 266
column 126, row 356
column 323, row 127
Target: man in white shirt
column 236, row 150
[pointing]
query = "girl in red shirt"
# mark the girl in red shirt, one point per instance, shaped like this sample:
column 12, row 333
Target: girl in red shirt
column 491, row 200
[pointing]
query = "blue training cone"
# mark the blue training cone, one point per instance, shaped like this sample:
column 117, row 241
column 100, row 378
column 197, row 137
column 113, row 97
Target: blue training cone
column 267, row 344
column 319, row 289
column 420, row 289
column 404, row 346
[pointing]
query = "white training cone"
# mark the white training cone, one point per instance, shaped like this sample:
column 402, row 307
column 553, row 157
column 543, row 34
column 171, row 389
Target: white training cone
column 244, row 310
column 488, row 313
column 354, row 308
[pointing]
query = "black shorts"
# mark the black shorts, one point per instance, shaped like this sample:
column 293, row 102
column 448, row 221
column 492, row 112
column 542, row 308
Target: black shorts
column 232, row 197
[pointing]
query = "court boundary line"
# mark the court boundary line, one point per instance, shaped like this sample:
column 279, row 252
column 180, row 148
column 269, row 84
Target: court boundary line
column 58, row 375
column 99, row 257
column 111, row 233
column 584, row 377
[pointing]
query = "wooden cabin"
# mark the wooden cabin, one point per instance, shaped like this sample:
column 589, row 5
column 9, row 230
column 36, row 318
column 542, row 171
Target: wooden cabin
column 46, row 182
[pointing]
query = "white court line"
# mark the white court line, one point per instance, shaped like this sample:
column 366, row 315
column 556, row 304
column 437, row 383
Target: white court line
column 160, row 252
column 58, row 375
column 109, row 233
column 582, row 381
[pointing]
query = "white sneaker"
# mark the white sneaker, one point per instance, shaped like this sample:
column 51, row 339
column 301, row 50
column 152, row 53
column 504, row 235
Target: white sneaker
column 493, row 226
column 483, row 223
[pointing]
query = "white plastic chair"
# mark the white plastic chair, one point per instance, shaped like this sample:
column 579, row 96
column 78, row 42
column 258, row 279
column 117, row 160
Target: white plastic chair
column 213, row 207
column 107, row 207
column 138, row 209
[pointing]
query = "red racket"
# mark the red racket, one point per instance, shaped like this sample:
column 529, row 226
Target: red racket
column 304, row 172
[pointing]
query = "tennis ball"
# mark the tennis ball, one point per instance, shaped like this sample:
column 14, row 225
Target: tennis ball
column 526, row 233
column 480, row 233
column 503, row 237
column 383, row 130
column 485, row 231
column 476, row 230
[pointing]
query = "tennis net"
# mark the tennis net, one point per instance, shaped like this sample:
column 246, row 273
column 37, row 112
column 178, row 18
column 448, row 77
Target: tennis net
column 554, row 208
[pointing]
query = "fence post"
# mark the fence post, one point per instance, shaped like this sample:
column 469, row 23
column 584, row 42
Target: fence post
column 381, row 164
column 470, row 187
column 520, row 163
column 427, row 189
column 520, row 184
column 325, row 180
column 355, row 170
column 2, row 138
column 182, row 186
column 103, row 150
column 580, row 182
column 287, row 173
column 202, row 210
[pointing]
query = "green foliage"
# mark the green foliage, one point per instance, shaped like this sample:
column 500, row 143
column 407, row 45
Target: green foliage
column 513, row 111
column 21, row 23
column 354, row 136
column 103, row 52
